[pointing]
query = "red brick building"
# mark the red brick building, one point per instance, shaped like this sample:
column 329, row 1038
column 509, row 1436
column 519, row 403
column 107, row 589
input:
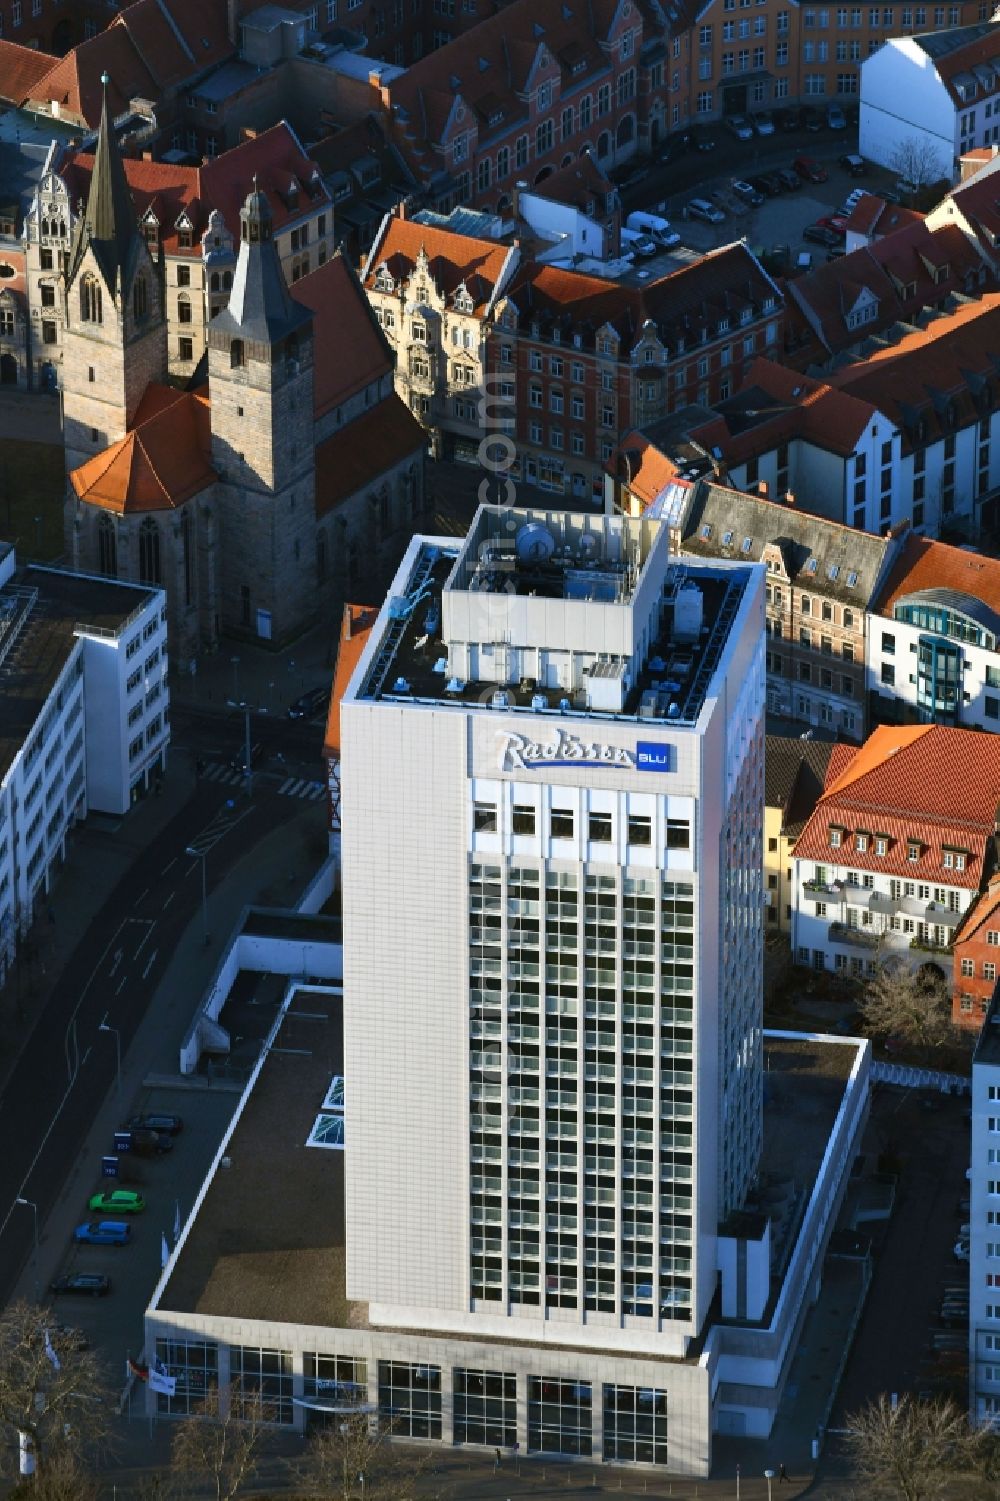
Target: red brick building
column 526, row 92
column 976, row 956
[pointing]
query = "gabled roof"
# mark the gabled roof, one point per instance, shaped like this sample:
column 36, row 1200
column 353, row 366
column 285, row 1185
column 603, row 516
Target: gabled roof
column 697, row 299
column 274, row 158
column 349, row 347
column 944, row 375
column 20, row 70
column 823, row 556
column 977, row 200
column 364, row 450
column 902, row 783
column 873, row 217
column 936, row 569
column 794, row 773
column 775, row 405
column 162, row 462
column 963, row 51
column 580, row 183
column 453, row 259
column 897, row 270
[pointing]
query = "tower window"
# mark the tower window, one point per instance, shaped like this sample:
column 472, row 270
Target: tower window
column 140, row 299
column 149, row 552
column 90, row 373
column 91, row 301
column 107, row 548
column 183, row 310
column 236, row 354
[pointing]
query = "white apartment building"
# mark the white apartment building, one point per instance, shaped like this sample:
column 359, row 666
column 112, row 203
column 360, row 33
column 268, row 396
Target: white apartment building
column 932, row 95
column 897, row 849
column 83, row 718
column 984, row 1221
column 933, row 643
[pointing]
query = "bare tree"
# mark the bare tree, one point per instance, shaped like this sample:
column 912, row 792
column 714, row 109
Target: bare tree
column 50, row 1390
column 914, row 1005
column 916, row 160
column 912, row 1450
column 219, row 1447
column 354, row 1459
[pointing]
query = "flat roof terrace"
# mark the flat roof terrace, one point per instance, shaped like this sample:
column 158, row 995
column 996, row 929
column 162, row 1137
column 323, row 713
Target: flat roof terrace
column 410, row 662
column 268, row 1241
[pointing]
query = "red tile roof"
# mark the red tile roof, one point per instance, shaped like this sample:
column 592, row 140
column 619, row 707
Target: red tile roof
column 149, row 48
column 925, row 564
column 931, row 373
column 977, row 200
column 20, row 70
column 452, row 259
column 275, row 158
column 983, row 46
column 580, row 183
column 650, row 470
column 809, row 409
column 902, row 783
column 898, row 270
column 349, row 347
column 163, row 461
column 364, row 450
column 872, row 216
column 355, row 628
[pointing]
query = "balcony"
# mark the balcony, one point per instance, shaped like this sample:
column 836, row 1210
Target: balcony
column 928, row 946
column 859, row 938
column 824, row 891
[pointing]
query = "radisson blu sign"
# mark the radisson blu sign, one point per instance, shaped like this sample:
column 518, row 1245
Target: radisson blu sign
column 519, row 753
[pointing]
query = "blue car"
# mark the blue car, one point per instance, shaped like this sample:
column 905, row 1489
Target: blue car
column 103, row 1233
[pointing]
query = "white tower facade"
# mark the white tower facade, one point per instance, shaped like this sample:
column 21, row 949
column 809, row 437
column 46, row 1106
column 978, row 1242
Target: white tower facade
column 552, row 806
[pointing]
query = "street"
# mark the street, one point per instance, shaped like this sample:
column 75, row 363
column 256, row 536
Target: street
column 68, row 1063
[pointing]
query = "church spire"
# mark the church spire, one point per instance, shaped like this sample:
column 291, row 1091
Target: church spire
column 261, row 309
column 108, row 223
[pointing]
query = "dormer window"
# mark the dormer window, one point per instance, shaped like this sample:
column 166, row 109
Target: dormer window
column 836, row 836
column 727, row 539
column 861, row 842
column 881, row 844
column 383, row 279
column 913, row 850
column 420, row 333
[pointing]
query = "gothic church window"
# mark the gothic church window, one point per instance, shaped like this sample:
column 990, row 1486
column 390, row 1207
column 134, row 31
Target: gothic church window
column 91, row 301
column 149, row 552
column 107, row 548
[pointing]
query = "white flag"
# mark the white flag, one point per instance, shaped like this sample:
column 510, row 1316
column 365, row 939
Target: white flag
column 159, row 1381
column 177, row 1220
column 56, row 1363
column 164, row 1251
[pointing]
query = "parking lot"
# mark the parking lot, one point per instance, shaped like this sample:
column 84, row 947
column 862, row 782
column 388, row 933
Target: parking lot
column 779, row 220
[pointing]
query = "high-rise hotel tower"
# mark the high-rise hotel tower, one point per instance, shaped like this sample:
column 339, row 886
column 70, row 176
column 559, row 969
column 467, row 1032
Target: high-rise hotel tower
column 552, row 772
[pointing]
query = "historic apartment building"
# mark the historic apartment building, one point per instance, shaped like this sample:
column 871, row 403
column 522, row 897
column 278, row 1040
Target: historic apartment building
column 821, row 577
column 897, row 851
column 794, row 773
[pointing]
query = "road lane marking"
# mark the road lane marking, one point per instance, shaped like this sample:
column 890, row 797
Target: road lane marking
column 168, row 900
column 149, row 934
column 119, row 956
column 150, row 963
column 121, row 985
column 170, row 865
column 140, row 899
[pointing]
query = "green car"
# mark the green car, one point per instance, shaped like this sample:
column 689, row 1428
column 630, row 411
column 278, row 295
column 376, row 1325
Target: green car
column 117, row 1201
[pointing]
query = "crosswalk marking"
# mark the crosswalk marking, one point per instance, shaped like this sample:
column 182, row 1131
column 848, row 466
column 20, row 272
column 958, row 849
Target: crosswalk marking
column 301, row 787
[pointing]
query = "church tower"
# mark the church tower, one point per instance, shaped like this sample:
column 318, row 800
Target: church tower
column 115, row 339
column 260, row 373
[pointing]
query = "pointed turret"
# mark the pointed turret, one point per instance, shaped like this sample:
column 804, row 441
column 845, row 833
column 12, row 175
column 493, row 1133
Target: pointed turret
column 261, row 309
column 108, row 224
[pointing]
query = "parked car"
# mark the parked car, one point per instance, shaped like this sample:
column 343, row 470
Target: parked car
column 103, row 1233
column 702, row 138
column 836, row 222
column 94, row 1284
column 767, row 183
column 639, row 244
column 816, row 234
column 906, row 189
column 850, row 202
column 835, row 117
column 811, row 119
column 151, row 1143
column 763, row 122
column 676, row 145
column 747, row 192
column 172, row 1124
column 854, row 164
column 314, row 702
column 659, row 229
column 740, row 127
column 790, row 181
column 700, row 208
column 117, row 1201
column 836, row 255
column 789, row 119
column 809, row 169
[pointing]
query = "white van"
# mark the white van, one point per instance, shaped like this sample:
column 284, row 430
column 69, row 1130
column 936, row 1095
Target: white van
column 660, row 230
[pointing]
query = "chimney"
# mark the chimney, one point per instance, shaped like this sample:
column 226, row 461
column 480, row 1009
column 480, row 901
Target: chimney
column 762, row 488
column 401, row 209
column 790, row 497
column 147, row 156
column 231, row 20
column 519, row 187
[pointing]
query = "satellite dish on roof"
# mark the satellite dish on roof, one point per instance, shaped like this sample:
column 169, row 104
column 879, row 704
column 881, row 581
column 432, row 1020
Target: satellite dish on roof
column 534, row 543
